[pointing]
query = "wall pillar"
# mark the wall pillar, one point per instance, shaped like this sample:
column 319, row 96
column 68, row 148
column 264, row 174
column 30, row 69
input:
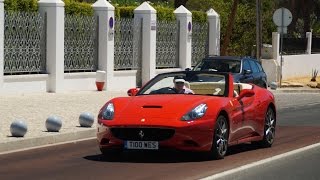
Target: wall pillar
column 1, row 43
column 104, row 12
column 184, row 18
column 149, row 19
column 53, row 10
column 214, row 32
column 275, row 45
column 309, row 45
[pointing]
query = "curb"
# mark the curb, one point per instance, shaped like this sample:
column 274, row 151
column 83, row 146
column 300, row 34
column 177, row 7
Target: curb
column 45, row 140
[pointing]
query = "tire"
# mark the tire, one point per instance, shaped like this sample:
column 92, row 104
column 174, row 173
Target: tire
column 265, row 86
column 220, row 139
column 269, row 129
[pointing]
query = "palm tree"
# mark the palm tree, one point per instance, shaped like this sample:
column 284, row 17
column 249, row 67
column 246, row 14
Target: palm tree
column 232, row 17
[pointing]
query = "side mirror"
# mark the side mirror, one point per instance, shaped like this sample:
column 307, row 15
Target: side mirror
column 247, row 71
column 188, row 69
column 245, row 93
column 133, row 91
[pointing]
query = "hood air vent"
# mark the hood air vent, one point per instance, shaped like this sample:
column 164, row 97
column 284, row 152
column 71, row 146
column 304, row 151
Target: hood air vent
column 152, row 107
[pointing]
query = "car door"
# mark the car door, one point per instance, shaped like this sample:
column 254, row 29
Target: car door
column 242, row 114
column 237, row 117
column 262, row 75
column 255, row 72
column 246, row 72
column 249, row 116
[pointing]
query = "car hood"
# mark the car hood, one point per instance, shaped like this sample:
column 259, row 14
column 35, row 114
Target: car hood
column 156, row 106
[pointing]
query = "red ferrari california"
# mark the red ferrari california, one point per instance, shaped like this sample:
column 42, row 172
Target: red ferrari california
column 190, row 111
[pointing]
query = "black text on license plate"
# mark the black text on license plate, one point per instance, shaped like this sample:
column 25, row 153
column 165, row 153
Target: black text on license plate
column 141, row 145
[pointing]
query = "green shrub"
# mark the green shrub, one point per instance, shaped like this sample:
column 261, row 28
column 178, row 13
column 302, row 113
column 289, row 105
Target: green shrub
column 199, row 16
column 21, row 5
column 126, row 12
column 78, row 8
column 71, row 6
column 165, row 14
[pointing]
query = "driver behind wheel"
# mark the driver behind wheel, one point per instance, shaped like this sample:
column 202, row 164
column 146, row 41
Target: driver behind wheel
column 179, row 86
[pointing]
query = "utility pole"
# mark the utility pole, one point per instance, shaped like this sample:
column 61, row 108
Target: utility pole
column 258, row 30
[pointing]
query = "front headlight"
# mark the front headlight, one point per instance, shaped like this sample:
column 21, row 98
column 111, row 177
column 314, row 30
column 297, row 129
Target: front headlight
column 108, row 112
column 195, row 113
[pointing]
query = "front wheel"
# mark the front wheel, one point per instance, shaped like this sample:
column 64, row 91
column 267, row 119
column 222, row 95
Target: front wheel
column 269, row 129
column 220, row 139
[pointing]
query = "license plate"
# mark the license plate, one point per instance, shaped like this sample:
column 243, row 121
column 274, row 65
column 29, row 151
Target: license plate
column 141, row 145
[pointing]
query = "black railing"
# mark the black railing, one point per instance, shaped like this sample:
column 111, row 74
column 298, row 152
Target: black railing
column 294, row 45
column 315, row 48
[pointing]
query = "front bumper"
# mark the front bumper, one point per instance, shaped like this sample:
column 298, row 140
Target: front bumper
column 195, row 137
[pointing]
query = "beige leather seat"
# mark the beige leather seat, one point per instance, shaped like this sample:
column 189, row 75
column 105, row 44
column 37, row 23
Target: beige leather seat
column 214, row 88
column 238, row 87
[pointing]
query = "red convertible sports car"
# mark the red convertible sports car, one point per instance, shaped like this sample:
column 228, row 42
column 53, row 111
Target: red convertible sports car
column 189, row 111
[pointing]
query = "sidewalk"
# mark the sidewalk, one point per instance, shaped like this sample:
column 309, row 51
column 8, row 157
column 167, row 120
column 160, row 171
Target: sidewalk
column 36, row 108
column 295, row 90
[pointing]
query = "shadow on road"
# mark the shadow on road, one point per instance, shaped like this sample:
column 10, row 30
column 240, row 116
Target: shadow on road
column 165, row 156
column 149, row 157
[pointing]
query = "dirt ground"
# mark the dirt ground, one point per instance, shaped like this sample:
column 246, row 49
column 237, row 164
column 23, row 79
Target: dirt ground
column 301, row 80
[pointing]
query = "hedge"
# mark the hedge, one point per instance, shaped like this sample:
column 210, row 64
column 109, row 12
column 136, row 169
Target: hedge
column 21, row 5
column 71, row 7
column 83, row 8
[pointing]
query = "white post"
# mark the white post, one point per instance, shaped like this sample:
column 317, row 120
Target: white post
column 149, row 19
column 309, row 45
column 184, row 17
column 104, row 11
column 54, row 12
column 214, row 32
column 275, row 45
column 1, row 42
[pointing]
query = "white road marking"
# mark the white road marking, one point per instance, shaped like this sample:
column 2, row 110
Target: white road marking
column 48, row 145
column 258, row 163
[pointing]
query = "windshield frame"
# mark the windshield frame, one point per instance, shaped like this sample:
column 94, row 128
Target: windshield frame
column 184, row 73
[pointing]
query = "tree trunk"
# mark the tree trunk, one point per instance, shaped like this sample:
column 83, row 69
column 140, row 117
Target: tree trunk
column 178, row 3
column 307, row 8
column 293, row 8
column 232, row 17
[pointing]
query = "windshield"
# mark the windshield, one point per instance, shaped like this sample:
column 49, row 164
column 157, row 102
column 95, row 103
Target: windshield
column 190, row 82
column 219, row 65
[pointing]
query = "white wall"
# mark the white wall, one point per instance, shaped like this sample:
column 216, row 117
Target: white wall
column 124, row 80
column 25, row 83
column 300, row 65
column 80, row 81
column 159, row 71
column 86, row 81
column 272, row 69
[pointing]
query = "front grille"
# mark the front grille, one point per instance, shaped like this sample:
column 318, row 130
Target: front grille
column 142, row 134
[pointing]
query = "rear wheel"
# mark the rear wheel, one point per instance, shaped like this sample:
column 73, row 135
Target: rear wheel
column 269, row 129
column 220, row 139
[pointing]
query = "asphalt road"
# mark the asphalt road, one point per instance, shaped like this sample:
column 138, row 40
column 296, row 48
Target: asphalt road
column 298, row 127
column 302, row 166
